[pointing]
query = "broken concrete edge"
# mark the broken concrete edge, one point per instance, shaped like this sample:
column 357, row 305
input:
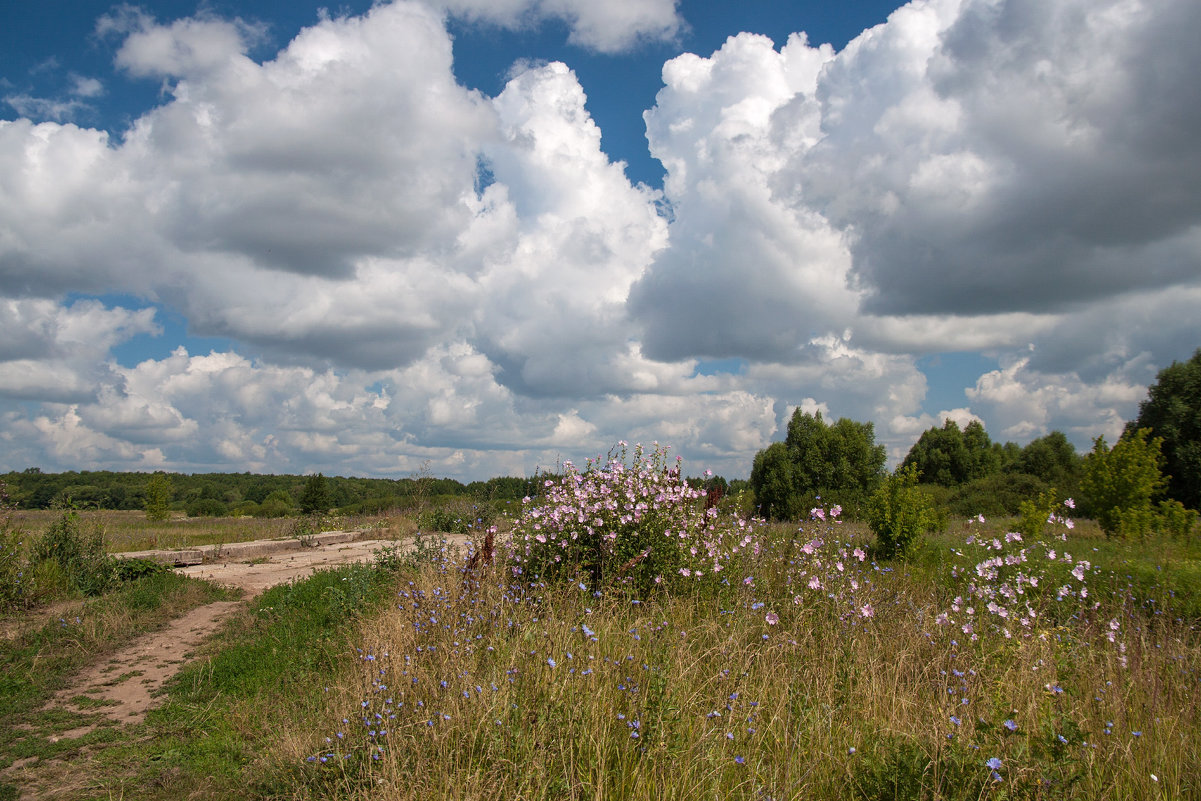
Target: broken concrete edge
column 236, row 551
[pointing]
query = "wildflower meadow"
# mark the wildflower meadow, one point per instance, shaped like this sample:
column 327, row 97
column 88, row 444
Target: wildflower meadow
column 637, row 645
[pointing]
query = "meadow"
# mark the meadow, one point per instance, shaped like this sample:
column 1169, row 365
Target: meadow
column 817, row 674
column 779, row 661
column 128, row 530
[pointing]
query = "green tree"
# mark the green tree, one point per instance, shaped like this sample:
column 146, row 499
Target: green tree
column 950, row 457
column 1120, row 482
column 1051, row 459
column 773, row 484
column 315, row 497
column 158, row 497
column 1172, row 412
column 840, row 463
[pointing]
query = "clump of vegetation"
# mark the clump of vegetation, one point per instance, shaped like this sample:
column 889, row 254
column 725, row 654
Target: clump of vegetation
column 456, row 517
column 899, row 513
column 16, row 581
column 75, row 555
column 630, row 519
column 315, row 498
column 158, row 497
column 817, row 464
column 1120, row 483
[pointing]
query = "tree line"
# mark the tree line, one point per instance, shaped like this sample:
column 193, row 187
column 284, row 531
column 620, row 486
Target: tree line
column 217, row 494
column 1151, row 477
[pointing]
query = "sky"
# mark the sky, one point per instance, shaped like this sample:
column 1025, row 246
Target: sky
column 482, row 237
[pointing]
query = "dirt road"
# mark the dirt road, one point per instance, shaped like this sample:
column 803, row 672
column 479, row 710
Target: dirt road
column 127, row 682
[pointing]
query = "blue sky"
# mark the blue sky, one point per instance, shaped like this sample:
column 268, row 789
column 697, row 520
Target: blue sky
column 490, row 235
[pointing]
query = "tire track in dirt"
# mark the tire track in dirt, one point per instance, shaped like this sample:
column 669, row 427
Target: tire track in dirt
column 126, row 685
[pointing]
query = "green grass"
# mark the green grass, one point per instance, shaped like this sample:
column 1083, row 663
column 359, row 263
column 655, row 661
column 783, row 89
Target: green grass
column 259, row 678
column 824, row 703
column 42, row 657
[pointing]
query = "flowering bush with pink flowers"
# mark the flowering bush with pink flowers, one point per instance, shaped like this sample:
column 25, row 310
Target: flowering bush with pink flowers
column 630, row 519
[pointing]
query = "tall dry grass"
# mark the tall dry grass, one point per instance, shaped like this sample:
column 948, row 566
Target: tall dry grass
column 824, row 676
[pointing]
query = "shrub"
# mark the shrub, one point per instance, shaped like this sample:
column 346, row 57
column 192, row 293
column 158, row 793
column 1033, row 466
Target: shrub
column 315, row 499
column 1174, row 520
column 277, row 504
column 899, row 513
column 998, row 495
column 1120, row 482
column 1034, row 516
column 78, row 555
column 207, row 507
column 124, row 570
column 639, row 525
column 456, row 517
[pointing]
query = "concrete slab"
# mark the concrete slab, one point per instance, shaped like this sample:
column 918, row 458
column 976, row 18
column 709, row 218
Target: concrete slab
column 239, row 551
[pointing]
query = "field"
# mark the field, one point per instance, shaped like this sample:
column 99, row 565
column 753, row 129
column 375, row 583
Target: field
column 132, row 531
column 812, row 671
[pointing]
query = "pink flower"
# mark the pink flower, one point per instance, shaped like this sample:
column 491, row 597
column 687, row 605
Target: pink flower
column 866, row 610
column 772, row 618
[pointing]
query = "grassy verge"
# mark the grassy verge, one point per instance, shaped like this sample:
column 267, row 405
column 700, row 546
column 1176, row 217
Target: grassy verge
column 250, row 695
column 38, row 660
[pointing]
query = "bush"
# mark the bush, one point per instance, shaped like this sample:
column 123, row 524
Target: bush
column 158, row 497
column 457, row 517
column 1174, row 520
column 78, row 555
column 207, row 507
column 998, row 495
column 273, row 507
column 124, row 570
column 1120, row 482
column 899, row 513
column 1035, row 516
column 640, row 526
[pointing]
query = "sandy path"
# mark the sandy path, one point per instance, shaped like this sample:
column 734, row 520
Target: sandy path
column 127, row 682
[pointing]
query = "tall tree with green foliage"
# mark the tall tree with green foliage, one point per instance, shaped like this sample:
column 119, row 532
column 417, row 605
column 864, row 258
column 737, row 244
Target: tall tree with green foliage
column 841, row 463
column 158, row 497
column 772, row 482
column 949, row 456
column 1172, row 412
column 1051, row 459
column 1120, row 482
column 315, row 499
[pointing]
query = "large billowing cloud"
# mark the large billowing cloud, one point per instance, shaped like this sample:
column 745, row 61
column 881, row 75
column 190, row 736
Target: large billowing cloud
column 415, row 271
column 1012, row 156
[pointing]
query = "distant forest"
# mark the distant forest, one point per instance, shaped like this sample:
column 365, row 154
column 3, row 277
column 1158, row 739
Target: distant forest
column 243, row 493
column 218, row 494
